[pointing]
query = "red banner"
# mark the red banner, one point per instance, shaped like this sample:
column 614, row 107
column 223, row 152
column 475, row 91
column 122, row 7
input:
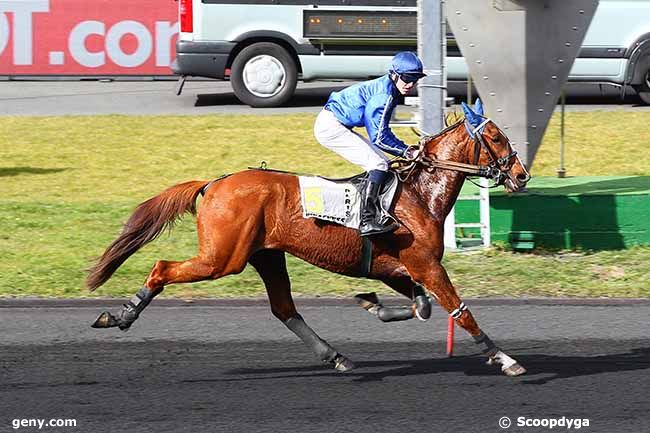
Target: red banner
column 87, row 37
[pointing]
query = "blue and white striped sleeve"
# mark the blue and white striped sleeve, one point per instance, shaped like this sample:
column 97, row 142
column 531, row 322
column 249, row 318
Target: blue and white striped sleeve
column 378, row 113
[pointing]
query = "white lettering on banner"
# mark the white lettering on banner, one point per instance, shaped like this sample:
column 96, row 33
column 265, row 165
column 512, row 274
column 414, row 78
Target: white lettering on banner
column 165, row 31
column 140, row 55
column 57, row 57
column 34, row 40
column 77, row 44
column 22, row 29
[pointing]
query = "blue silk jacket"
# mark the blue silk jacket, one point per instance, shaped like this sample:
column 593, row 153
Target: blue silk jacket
column 369, row 104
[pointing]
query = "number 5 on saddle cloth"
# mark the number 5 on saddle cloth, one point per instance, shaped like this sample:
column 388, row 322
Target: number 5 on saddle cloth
column 339, row 200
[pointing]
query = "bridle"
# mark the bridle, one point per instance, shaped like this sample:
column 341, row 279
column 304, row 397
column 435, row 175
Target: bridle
column 496, row 170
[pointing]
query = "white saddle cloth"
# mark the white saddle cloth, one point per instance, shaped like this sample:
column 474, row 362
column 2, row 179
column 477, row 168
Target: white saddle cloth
column 339, row 202
column 330, row 201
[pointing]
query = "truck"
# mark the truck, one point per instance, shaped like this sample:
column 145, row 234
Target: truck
column 264, row 47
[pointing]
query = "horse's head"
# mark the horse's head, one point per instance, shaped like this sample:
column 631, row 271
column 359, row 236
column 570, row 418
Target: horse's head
column 492, row 150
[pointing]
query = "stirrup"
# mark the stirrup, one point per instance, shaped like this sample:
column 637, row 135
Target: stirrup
column 377, row 229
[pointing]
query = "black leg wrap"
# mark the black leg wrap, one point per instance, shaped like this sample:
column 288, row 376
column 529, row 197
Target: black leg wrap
column 423, row 307
column 418, row 291
column 298, row 326
column 489, row 348
column 395, row 314
column 134, row 307
column 129, row 313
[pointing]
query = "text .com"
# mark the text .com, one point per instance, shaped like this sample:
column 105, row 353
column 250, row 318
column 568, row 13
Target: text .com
column 40, row 423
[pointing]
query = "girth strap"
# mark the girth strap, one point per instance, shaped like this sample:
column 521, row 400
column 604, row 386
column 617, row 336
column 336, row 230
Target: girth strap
column 366, row 256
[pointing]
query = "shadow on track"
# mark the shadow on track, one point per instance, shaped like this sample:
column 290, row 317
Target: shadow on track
column 552, row 366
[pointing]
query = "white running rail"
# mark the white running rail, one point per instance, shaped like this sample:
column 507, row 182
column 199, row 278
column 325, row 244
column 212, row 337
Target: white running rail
column 483, row 198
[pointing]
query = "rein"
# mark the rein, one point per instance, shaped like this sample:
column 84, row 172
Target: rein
column 493, row 170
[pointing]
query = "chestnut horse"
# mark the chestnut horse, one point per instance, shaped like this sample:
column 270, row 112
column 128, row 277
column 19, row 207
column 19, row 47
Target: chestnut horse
column 255, row 216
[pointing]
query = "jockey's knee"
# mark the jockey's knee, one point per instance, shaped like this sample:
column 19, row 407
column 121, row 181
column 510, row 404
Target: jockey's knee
column 377, row 164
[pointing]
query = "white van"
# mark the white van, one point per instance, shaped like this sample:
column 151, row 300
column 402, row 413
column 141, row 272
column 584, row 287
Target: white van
column 265, row 46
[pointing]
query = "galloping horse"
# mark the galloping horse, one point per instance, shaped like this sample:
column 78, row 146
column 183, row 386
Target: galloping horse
column 255, row 216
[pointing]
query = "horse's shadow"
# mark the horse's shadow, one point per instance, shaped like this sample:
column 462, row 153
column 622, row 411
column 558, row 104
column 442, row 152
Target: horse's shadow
column 541, row 368
column 15, row 171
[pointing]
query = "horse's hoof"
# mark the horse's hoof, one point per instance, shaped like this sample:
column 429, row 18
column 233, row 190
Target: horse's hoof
column 343, row 364
column 105, row 320
column 368, row 301
column 508, row 365
column 422, row 308
column 514, row 370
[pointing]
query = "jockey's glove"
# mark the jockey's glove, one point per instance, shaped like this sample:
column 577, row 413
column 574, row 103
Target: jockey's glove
column 416, row 153
column 412, row 152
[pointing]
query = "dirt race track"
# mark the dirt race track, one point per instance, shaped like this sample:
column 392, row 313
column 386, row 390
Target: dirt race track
column 229, row 366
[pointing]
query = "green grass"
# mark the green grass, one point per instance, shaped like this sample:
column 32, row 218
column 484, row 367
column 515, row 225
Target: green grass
column 597, row 144
column 68, row 183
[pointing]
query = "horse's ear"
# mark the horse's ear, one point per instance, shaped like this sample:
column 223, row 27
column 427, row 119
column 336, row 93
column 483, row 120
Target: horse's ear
column 470, row 115
column 478, row 107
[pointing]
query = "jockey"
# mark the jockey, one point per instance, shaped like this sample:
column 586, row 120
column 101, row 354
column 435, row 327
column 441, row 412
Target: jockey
column 370, row 104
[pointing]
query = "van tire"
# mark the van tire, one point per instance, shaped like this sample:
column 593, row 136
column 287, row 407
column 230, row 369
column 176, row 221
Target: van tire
column 264, row 75
column 643, row 89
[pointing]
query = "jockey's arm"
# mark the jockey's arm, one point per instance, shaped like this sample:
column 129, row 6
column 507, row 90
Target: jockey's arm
column 378, row 113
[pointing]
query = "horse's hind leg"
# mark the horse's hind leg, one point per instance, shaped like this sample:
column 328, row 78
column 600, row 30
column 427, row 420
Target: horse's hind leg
column 421, row 307
column 272, row 268
column 163, row 273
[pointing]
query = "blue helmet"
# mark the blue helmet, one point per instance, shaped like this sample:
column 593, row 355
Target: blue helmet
column 407, row 63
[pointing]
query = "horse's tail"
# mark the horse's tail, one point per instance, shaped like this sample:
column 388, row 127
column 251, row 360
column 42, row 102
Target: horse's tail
column 147, row 222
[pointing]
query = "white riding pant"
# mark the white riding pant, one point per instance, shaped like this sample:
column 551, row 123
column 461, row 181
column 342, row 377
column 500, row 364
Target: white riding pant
column 352, row 146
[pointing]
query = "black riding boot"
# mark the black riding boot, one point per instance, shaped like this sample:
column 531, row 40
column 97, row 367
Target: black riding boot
column 371, row 213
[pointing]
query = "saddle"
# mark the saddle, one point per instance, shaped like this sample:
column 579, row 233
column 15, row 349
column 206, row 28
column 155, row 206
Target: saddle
column 340, row 200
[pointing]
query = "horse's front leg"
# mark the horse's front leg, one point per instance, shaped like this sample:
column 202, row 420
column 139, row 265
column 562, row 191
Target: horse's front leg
column 435, row 279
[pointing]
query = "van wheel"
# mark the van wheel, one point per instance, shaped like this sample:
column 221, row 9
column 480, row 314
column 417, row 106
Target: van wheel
column 264, row 75
column 643, row 89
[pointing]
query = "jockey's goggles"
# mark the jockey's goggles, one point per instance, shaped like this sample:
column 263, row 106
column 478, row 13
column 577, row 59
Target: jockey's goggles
column 411, row 77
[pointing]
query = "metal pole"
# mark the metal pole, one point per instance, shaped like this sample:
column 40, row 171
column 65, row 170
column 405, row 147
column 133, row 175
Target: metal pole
column 432, row 47
column 484, row 209
column 561, row 172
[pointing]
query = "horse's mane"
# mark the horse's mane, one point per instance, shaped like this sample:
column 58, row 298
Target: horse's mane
column 452, row 121
column 453, row 117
